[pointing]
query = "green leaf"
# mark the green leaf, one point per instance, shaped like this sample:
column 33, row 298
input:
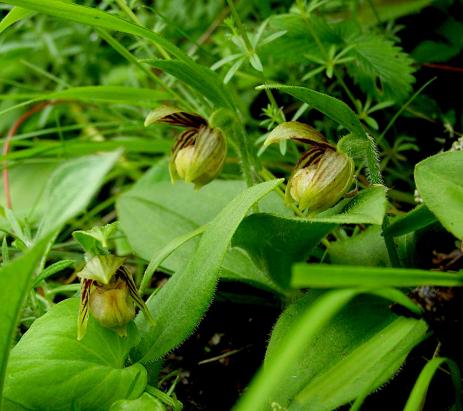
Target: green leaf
column 368, row 207
column 15, row 280
column 71, row 187
column 416, row 219
column 51, row 270
column 274, row 243
column 13, row 16
column 145, row 403
column 418, row 395
column 372, row 363
column 97, row 18
column 378, row 62
column 366, row 249
column 177, row 210
column 27, row 182
column 180, row 304
column 346, row 346
column 385, row 10
column 329, row 276
column 110, row 94
column 440, row 184
column 348, row 329
column 330, row 106
column 303, row 333
column 201, row 78
column 49, row 366
column 429, row 51
column 96, row 240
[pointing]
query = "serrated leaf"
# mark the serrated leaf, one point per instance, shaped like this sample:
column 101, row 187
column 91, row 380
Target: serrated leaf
column 379, row 60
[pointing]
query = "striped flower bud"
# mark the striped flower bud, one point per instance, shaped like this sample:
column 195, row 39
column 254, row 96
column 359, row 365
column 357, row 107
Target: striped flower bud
column 321, row 177
column 199, row 152
column 198, row 156
column 109, row 294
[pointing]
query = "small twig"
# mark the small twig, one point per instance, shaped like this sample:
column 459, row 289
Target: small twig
column 444, row 67
column 224, row 355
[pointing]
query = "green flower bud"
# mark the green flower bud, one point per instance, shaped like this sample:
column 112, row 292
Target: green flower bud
column 321, row 177
column 198, row 156
column 199, row 152
column 112, row 305
column 109, row 294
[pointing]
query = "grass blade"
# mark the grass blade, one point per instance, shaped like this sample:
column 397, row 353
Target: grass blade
column 333, row 276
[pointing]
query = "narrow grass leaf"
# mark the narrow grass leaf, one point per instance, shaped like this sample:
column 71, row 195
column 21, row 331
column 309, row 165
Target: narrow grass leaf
column 14, row 15
column 333, row 276
column 179, row 306
column 200, row 78
column 110, row 94
column 97, row 18
column 417, row 397
column 52, row 269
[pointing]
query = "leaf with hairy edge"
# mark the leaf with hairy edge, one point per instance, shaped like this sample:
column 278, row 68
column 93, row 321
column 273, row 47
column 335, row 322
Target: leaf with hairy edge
column 338, row 346
column 49, row 366
column 181, row 303
column 368, row 207
column 175, row 211
column 330, row 106
column 305, row 329
column 276, row 242
column 440, row 184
